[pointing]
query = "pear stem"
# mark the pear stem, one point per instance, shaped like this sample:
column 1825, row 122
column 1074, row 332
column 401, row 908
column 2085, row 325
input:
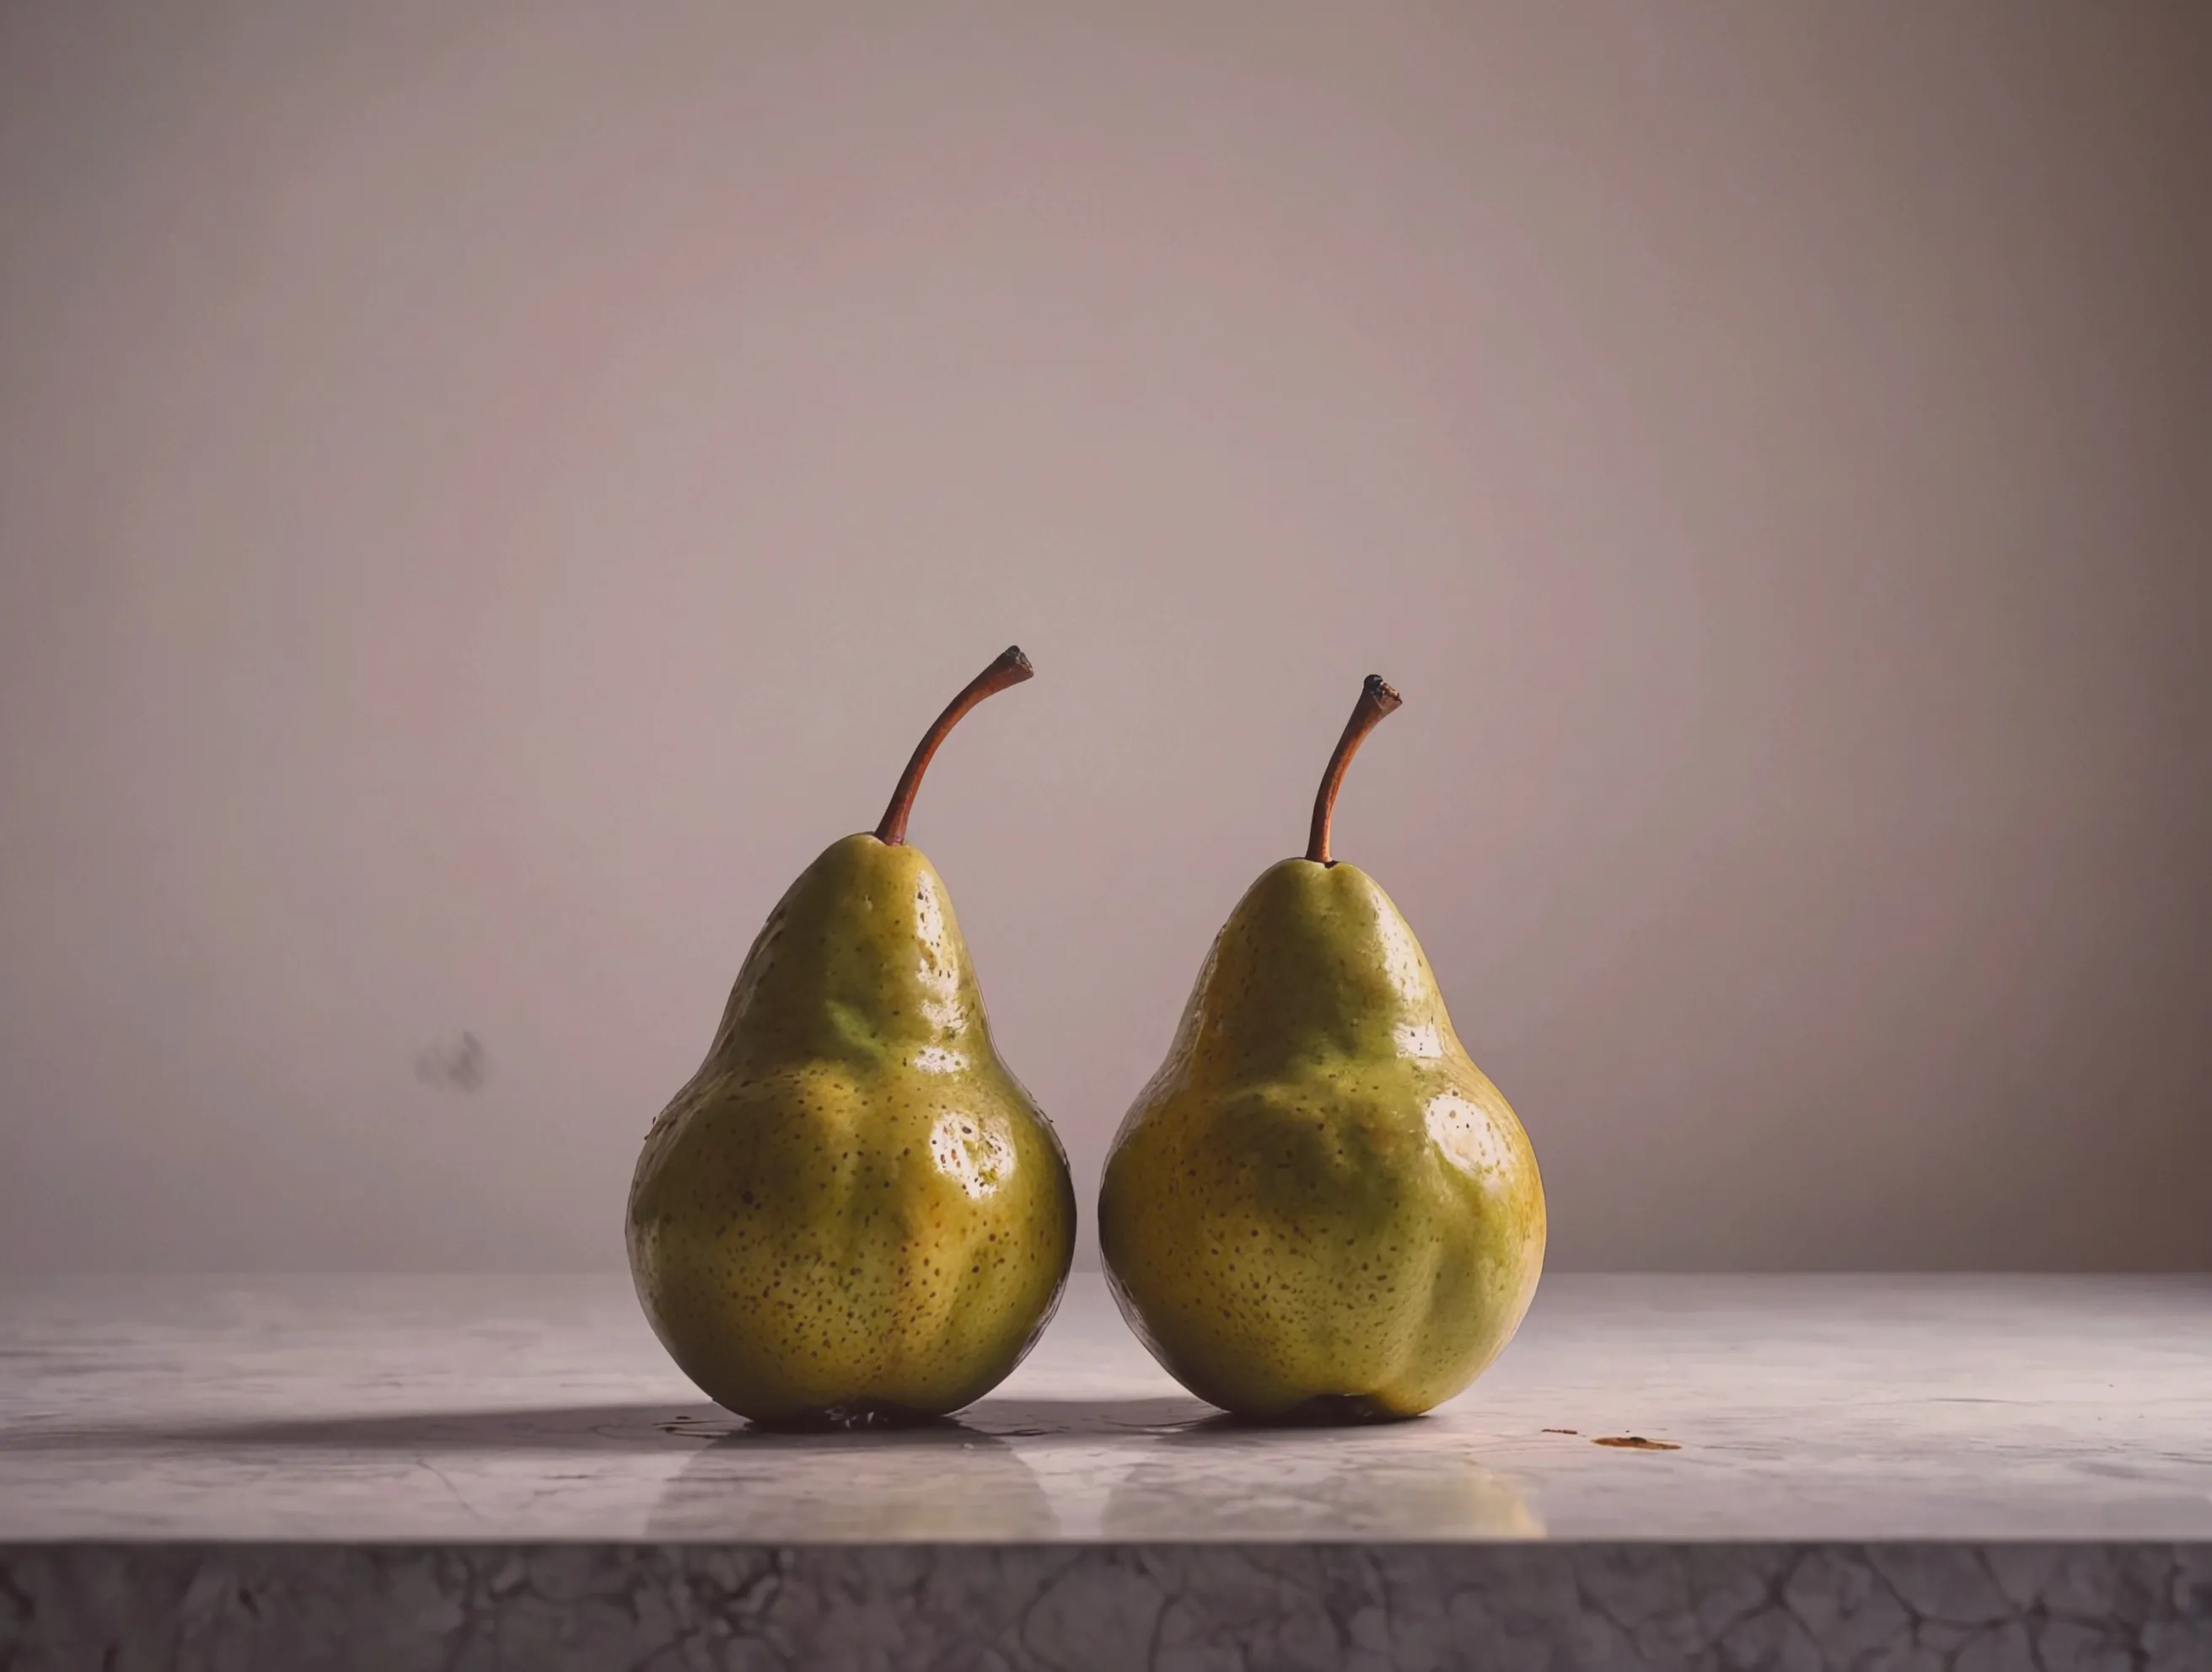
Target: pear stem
column 1376, row 701
column 1010, row 669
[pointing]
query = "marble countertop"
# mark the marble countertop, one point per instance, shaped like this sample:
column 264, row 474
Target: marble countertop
column 393, row 1409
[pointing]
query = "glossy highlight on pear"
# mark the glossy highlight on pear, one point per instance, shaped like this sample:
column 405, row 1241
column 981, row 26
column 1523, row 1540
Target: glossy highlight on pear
column 854, row 1214
column 1319, row 1209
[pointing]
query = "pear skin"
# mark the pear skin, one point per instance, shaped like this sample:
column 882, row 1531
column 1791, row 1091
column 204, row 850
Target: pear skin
column 854, row 1213
column 1320, row 1206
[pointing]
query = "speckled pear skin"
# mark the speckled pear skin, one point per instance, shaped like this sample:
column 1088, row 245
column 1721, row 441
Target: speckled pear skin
column 1319, row 1204
column 854, row 1212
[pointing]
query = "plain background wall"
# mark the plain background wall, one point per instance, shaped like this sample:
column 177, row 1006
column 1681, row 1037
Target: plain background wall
column 489, row 489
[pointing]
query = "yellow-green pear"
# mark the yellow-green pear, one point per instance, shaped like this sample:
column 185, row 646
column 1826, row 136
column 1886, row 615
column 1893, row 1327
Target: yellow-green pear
column 1319, row 1207
column 853, row 1214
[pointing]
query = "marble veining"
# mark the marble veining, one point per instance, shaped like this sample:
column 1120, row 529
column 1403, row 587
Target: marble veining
column 1248, row 1607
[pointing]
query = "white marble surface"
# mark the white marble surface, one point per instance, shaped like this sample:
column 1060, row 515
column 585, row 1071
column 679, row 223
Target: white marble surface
column 369, row 1409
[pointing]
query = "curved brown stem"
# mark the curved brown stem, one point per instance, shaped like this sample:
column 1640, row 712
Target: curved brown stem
column 1010, row 669
column 1376, row 699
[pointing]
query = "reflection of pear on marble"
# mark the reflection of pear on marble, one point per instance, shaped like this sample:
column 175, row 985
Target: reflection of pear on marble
column 1320, row 1205
column 921, row 1484
column 855, row 1214
column 1208, row 1484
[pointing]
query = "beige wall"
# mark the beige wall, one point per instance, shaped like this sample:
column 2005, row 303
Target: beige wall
column 487, row 489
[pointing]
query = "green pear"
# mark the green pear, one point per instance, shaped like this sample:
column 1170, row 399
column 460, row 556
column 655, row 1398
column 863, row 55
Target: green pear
column 853, row 1214
column 1319, row 1207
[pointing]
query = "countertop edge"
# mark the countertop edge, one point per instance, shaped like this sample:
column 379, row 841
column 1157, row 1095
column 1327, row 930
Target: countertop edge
column 1084, row 1605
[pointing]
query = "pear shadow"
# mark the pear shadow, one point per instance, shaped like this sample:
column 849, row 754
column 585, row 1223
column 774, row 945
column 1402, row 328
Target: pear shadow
column 944, row 1482
column 619, row 1428
column 1022, row 1416
column 1323, row 1411
column 614, row 1428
